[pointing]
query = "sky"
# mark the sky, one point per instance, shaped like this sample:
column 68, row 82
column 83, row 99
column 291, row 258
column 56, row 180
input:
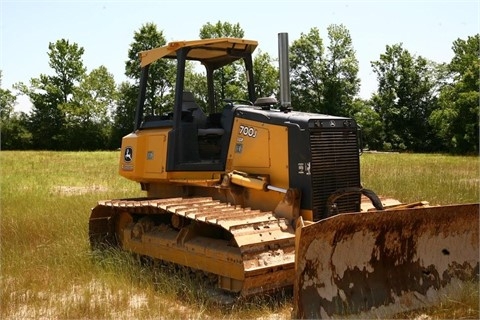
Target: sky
column 105, row 29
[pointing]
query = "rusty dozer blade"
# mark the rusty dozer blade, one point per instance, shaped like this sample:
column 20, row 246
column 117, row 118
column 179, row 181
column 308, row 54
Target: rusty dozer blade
column 375, row 264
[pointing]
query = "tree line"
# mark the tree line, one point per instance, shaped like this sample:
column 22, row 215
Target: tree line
column 419, row 105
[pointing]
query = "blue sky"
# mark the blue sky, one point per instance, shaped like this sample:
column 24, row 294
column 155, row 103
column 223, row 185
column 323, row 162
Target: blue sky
column 105, row 28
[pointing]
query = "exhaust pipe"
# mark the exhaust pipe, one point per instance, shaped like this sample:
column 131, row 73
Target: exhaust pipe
column 284, row 66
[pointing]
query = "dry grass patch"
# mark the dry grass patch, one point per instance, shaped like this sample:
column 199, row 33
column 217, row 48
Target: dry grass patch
column 465, row 305
column 75, row 190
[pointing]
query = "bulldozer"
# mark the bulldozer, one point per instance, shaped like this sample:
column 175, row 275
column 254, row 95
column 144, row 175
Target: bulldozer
column 233, row 193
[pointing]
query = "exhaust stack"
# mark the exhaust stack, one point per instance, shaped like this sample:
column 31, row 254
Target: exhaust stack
column 284, row 66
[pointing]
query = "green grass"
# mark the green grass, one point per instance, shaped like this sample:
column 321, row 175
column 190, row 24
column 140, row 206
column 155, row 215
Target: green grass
column 438, row 179
column 48, row 270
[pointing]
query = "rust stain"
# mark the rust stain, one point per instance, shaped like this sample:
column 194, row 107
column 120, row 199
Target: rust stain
column 355, row 263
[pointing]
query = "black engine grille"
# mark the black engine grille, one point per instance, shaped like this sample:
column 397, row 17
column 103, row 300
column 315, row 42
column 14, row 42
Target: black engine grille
column 334, row 165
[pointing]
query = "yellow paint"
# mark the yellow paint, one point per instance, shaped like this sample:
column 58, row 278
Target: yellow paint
column 149, row 160
column 205, row 49
column 149, row 150
column 255, row 148
column 155, row 154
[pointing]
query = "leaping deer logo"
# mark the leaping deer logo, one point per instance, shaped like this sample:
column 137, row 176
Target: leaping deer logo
column 127, row 156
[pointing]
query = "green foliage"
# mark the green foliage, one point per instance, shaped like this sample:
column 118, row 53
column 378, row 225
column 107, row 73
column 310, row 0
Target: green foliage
column 324, row 80
column 221, row 30
column 124, row 115
column 456, row 119
column 71, row 108
column 227, row 80
column 196, row 82
column 13, row 134
column 47, row 121
column 7, row 101
column 161, row 73
column 161, row 77
column 265, row 75
column 307, row 72
column 228, row 83
column 372, row 131
column 66, row 62
column 159, row 97
column 146, row 38
column 419, row 106
column 94, row 97
column 405, row 99
column 341, row 83
column 87, row 115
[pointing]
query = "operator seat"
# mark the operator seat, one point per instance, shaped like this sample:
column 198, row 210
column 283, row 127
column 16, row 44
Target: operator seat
column 199, row 117
column 189, row 104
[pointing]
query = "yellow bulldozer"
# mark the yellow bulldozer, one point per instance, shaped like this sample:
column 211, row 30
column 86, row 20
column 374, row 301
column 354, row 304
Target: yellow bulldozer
column 254, row 196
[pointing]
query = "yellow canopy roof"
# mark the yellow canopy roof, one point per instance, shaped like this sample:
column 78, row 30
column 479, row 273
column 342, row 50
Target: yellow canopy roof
column 209, row 51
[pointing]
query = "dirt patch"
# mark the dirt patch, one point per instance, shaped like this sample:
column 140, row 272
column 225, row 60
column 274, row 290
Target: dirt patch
column 94, row 297
column 78, row 190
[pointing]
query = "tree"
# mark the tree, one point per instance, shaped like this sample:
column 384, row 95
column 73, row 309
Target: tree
column 228, row 79
column 159, row 95
column 49, row 93
column 45, row 120
column 7, row 101
column 405, row 99
column 372, row 130
column 124, row 115
column 87, row 115
column 221, row 30
column 266, row 75
column 161, row 73
column 341, row 83
column 456, row 120
column 307, row 71
column 66, row 61
column 196, row 82
column 324, row 81
column 14, row 134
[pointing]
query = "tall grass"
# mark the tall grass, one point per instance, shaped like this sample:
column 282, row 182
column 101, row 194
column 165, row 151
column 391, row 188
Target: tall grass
column 48, row 270
column 438, row 179
column 47, row 267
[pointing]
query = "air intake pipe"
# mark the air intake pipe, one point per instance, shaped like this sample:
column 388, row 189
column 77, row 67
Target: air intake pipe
column 284, row 67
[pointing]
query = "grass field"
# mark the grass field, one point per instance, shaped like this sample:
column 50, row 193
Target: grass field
column 48, row 271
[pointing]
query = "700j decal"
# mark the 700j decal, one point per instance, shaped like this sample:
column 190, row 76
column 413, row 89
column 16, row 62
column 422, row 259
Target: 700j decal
column 248, row 131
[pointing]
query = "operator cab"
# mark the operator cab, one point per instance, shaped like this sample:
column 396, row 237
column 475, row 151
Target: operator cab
column 201, row 122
